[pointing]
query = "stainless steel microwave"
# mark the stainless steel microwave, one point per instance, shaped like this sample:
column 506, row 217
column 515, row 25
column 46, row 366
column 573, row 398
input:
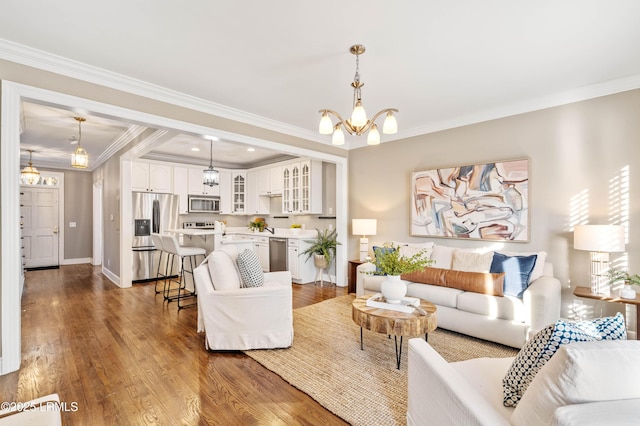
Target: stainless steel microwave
column 204, row 204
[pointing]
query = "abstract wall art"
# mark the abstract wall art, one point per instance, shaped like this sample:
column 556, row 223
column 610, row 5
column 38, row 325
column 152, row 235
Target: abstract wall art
column 484, row 201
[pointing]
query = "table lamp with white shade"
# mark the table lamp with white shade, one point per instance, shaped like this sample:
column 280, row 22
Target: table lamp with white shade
column 364, row 227
column 600, row 240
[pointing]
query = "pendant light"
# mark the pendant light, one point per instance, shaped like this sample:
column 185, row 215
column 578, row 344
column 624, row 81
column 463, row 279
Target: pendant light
column 210, row 176
column 30, row 175
column 358, row 124
column 80, row 158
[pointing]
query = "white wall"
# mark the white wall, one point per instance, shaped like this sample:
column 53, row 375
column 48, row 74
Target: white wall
column 577, row 152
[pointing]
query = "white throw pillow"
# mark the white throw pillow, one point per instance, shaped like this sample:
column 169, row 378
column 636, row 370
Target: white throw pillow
column 579, row 373
column 223, row 272
column 538, row 268
column 409, row 251
column 442, row 256
column 471, row 262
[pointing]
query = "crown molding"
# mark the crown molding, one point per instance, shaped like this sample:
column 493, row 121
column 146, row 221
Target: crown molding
column 40, row 59
column 25, row 55
column 132, row 132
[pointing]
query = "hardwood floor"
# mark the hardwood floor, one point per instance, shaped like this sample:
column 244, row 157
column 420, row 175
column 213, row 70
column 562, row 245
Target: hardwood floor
column 126, row 357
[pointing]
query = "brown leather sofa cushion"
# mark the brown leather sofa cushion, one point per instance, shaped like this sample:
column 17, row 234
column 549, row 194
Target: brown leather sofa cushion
column 477, row 282
column 434, row 276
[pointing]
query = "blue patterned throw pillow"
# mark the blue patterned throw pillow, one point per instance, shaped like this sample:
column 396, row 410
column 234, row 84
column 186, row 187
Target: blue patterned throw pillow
column 517, row 270
column 541, row 347
column 250, row 269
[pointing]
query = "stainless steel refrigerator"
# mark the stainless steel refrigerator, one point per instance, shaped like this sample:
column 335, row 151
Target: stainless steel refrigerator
column 152, row 213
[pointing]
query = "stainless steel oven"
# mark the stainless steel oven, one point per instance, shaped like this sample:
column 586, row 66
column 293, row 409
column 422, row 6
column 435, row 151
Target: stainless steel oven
column 204, row 204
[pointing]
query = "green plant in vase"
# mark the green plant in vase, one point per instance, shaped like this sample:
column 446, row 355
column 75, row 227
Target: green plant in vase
column 389, row 261
column 324, row 245
column 257, row 224
column 616, row 275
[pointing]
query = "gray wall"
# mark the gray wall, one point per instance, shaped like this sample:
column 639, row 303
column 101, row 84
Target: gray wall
column 576, row 152
column 78, row 208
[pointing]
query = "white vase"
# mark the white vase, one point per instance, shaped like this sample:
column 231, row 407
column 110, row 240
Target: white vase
column 393, row 288
column 628, row 292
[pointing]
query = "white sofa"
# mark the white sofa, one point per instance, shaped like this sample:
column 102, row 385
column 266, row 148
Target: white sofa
column 586, row 383
column 503, row 319
column 236, row 318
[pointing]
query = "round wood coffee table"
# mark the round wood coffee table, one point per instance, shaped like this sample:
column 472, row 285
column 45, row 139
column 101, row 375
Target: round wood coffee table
column 394, row 323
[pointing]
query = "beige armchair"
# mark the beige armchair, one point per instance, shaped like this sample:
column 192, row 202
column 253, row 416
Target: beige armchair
column 234, row 318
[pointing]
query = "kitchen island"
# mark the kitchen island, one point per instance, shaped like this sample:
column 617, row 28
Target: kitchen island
column 210, row 239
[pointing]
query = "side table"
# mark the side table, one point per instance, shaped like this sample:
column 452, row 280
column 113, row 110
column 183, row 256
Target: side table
column 352, row 271
column 615, row 298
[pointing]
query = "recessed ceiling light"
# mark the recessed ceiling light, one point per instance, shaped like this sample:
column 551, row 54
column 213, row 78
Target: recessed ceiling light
column 251, row 149
column 195, row 149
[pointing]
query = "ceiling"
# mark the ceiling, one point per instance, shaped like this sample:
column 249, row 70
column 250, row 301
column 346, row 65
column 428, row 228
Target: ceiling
column 442, row 64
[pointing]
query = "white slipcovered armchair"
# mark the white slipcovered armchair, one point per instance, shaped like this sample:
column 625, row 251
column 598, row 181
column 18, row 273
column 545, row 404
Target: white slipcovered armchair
column 235, row 318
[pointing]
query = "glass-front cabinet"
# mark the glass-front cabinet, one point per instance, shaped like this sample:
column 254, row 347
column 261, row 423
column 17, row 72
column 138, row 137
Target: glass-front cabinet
column 239, row 191
column 295, row 188
column 302, row 187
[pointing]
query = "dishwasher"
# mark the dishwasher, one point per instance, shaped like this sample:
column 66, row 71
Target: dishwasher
column 277, row 254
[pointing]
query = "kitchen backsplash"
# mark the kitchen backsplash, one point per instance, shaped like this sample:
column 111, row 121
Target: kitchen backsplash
column 309, row 221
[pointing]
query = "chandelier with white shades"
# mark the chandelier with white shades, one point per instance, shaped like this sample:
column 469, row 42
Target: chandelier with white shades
column 358, row 124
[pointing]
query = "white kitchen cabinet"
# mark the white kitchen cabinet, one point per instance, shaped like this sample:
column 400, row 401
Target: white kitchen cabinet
column 303, row 271
column 195, row 183
column 181, row 188
column 256, row 203
column 226, row 205
column 263, row 181
column 275, row 178
column 239, row 191
column 292, row 261
column 302, row 187
column 151, row 177
column 270, row 181
column 262, row 249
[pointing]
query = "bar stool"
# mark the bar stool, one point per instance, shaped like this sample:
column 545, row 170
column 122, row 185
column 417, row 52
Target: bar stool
column 171, row 245
column 157, row 242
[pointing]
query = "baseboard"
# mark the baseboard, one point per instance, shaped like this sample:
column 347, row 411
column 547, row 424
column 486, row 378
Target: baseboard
column 111, row 276
column 42, row 268
column 76, row 261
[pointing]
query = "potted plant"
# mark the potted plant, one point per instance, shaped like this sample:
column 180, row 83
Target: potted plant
column 323, row 248
column 390, row 262
column 619, row 274
column 258, row 224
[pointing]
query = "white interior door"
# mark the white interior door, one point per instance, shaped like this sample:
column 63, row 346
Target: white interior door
column 39, row 210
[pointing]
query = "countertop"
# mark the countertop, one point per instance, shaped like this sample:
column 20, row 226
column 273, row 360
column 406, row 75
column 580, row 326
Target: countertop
column 279, row 233
column 193, row 231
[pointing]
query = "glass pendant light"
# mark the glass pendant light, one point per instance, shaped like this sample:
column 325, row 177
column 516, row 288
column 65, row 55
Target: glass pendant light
column 210, row 176
column 30, row 175
column 326, row 126
column 390, row 125
column 338, row 136
column 80, row 158
column 373, row 138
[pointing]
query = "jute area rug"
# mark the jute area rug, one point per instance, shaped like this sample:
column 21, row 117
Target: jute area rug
column 363, row 387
